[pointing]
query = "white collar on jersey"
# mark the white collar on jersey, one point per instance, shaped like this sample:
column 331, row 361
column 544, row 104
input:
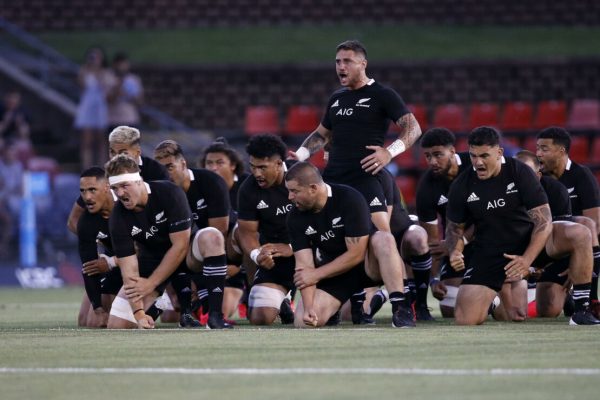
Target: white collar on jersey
column 235, row 178
column 148, row 188
column 371, row 81
column 568, row 167
column 191, row 174
column 457, row 158
column 329, row 194
column 139, row 161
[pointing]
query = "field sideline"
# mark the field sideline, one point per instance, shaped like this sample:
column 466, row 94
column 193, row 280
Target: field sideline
column 43, row 355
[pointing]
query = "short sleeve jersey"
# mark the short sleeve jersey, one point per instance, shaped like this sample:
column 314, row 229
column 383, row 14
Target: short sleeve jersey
column 558, row 199
column 497, row 206
column 432, row 192
column 581, row 186
column 359, row 118
column 207, row 196
column 346, row 214
column 267, row 206
column 91, row 229
column 167, row 211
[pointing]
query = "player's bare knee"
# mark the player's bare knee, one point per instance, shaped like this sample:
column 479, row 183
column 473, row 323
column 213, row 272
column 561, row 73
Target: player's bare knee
column 416, row 240
column 383, row 243
column 211, row 239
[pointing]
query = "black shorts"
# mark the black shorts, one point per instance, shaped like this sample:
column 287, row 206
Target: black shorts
column 446, row 270
column 550, row 273
column 368, row 185
column 281, row 274
column 237, row 281
column 399, row 233
column 486, row 267
column 542, row 260
column 111, row 282
column 343, row 286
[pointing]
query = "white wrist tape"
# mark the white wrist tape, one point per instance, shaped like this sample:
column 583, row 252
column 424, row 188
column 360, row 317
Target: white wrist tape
column 130, row 177
column 109, row 260
column 396, row 147
column 254, row 255
column 302, row 153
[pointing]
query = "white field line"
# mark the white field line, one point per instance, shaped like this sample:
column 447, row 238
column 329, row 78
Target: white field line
column 312, row 371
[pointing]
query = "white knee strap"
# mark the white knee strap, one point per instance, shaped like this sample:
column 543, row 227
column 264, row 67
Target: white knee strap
column 263, row 296
column 122, row 309
column 196, row 247
column 450, row 298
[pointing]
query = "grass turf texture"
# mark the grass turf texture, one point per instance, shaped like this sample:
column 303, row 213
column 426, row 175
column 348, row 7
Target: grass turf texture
column 260, row 45
column 37, row 330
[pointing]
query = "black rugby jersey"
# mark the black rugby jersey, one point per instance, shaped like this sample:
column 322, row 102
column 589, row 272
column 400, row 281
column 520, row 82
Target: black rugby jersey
column 91, row 229
column 399, row 220
column 235, row 189
column 167, row 211
column 359, row 118
column 497, row 206
column 558, row 199
column 432, row 192
column 582, row 187
column 207, row 196
column 346, row 214
column 267, row 206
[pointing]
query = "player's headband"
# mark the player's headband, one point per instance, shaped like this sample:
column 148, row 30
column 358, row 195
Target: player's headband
column 130, row 177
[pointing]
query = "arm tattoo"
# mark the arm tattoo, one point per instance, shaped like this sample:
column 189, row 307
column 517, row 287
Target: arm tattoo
column 541, row 218
column 314, row 142
column 409, row 129
column 352, row 240
column 454, row 233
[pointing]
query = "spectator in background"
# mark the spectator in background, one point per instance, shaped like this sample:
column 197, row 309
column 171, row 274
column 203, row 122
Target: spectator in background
column 14, row 122
column 11, row 178
column 91, row 118
column 125, row 95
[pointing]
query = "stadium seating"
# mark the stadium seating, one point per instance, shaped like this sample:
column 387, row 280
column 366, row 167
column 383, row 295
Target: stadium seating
column 517, row 116
column 483, row 114
column 408, row 187
column 580, row 147
column 302, row 120
column 451, row 116
column 550, row 113
column 595, row 155
column 529, row 143
column 461, row 144
column 420, row 113
column 584, row 115
column 261, row 119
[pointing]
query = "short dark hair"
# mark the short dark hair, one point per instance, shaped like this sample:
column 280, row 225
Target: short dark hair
column 168, row 148
column 263, row 146
column 353, row 45
column 559, row 136
column 120, row 56
column 304, row 173
column 94, row 171
column 484, row 136
column 220, row 145
column 438, row 137
column 526, row 155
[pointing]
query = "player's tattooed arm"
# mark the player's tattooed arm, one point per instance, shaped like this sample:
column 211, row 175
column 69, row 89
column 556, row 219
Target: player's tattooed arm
column 542, row 228
column 410, row 130
column 317, row 140
column 454, row 235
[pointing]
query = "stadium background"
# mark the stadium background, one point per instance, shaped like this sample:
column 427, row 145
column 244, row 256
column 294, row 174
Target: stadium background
column 235, row 68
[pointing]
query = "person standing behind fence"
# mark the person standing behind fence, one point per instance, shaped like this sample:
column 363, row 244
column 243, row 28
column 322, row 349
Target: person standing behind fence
column 125, row 95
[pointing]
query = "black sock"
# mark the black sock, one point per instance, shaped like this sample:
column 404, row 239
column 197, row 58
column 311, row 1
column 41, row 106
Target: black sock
column 182, row 285
column 154, row 312
column 396, row 300
column 214, row 271
column 594, row 290
column 421, row 266
column 357, row 300
column 378, row 299
column 581, row 296
column 410, row 290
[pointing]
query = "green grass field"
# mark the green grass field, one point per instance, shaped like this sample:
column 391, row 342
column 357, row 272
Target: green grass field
column 291, row 44
column 44, row 356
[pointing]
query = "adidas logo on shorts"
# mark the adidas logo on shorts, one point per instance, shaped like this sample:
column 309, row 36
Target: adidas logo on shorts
column 310, row 231
column 375, row 202
column 262, row 205
column 135, row 230
column 472, row 197
column 443, row 200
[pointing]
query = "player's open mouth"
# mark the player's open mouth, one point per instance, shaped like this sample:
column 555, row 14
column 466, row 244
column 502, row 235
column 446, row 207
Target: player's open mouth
column 90, row 205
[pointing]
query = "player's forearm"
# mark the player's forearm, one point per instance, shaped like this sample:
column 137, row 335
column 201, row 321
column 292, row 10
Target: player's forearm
column 343, row 263
column 542, row 228
column 129, row 270
column 594, row 215
column 308, row 296
column 314, row 142
column 454, row 235
column 248, row 240
column 410, row 131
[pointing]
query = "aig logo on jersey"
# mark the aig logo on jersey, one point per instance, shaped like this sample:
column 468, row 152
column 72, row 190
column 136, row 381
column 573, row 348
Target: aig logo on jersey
column 345, row 111
column 499, row 203
column 511, row 188
column 283, row 209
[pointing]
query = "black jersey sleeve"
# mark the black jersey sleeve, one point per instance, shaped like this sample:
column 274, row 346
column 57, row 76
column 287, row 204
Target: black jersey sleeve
column 558, row 198
column 357, row 215
column 588, row 192
column 88, row 251
column 425, row 201
column 120, row 233
column 298, row 239
column 394, row 105
column 217, row 198
column 530, row 188
column 247, row 200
